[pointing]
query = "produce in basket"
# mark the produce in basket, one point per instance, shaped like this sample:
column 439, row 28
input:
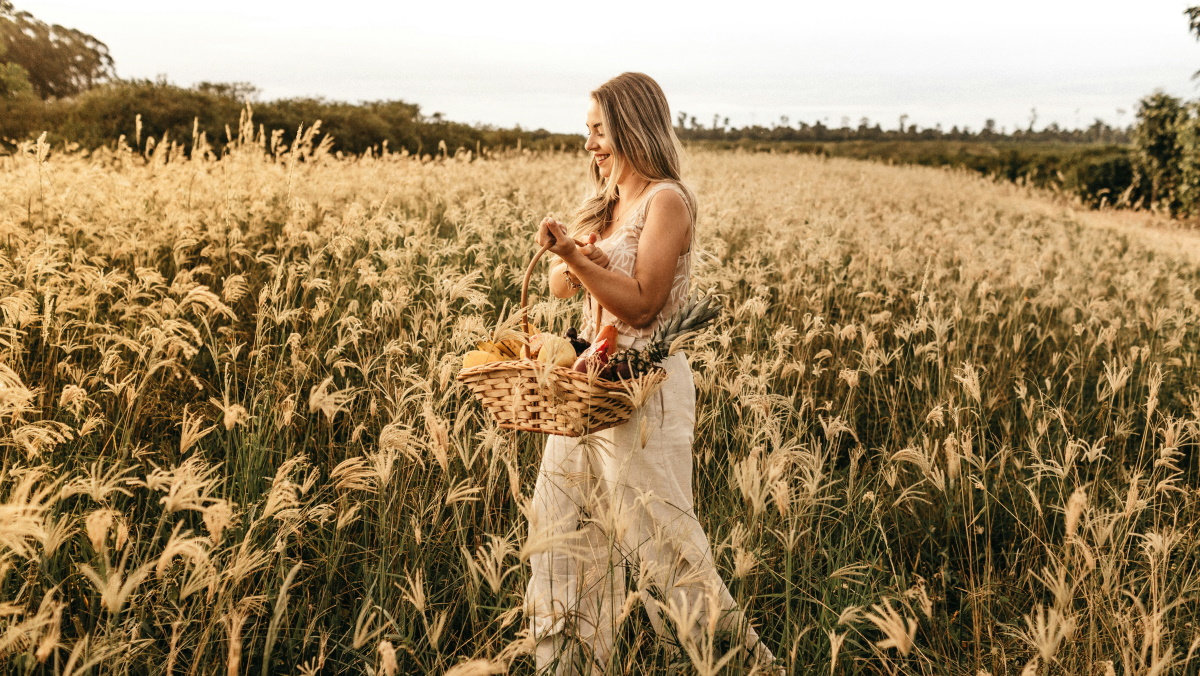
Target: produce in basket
column 522, row 394
column 554, row 350
column 602, row 355
column 693, row 316
column 503, row 344
column 595, row 357
column 579, row 343
column 479, row 357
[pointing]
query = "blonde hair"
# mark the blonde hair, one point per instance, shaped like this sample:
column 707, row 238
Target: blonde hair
column 637, row 122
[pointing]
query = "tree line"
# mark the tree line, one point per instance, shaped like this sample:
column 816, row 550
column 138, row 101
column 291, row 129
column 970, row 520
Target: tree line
column 690, row 128
column 142, row 109
column 63, row 81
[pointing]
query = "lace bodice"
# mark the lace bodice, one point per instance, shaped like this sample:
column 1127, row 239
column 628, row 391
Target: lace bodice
column 621, row 247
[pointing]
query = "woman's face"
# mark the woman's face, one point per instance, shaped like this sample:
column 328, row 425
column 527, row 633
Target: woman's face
column 597, row 143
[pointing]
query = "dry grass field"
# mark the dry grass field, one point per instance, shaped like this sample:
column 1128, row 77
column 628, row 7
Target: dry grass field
column 946, row 426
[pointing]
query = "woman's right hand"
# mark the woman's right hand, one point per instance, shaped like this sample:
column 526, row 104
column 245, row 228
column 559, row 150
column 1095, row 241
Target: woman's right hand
column 552, row 232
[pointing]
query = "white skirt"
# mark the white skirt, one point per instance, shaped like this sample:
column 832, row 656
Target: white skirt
column 616, row 501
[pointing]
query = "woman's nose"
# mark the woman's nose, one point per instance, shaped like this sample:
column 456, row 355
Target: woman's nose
column 591, row 145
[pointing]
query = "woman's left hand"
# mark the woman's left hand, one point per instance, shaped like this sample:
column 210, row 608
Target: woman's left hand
column 594, row 253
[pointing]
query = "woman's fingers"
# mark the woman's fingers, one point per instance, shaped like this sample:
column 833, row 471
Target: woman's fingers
column 546, row 232
column 593, row 253
column 562, row 244
column 555, row 234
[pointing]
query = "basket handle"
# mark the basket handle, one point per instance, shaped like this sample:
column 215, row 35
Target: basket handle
column 525, row 296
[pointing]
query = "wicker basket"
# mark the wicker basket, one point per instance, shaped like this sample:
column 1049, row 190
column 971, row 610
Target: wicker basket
column 523, row 394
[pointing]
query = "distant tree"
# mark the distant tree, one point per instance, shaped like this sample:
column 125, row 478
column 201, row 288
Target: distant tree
column 1159, row 154
column 238, row 91
column 1188, row 142
column 1193, row 15
column 14, row 80
column 58, row 61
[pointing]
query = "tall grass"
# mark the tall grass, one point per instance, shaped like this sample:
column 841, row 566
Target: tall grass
column 947, row 427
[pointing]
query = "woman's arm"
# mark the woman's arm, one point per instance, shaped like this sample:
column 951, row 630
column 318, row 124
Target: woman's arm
column 634, row 300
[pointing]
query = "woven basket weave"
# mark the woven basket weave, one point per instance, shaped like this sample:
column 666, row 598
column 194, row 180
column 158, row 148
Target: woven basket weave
column 523, row 394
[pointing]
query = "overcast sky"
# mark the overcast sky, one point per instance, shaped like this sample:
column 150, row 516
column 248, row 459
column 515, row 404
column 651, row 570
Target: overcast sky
column 505, row 63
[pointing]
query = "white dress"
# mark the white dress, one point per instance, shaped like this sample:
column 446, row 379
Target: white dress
column 621, row 500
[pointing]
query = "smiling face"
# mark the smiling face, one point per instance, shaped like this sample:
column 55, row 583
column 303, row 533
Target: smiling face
column 597, row 142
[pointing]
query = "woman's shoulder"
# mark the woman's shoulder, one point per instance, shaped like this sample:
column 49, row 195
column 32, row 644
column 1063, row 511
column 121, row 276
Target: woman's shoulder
column 667, row 199
column 667, row 188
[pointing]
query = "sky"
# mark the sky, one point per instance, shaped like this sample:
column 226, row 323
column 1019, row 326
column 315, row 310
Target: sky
column 532, row 64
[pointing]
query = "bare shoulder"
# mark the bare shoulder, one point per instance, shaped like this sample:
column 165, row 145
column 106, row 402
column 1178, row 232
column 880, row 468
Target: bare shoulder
column 668, row 222
column 668, row 206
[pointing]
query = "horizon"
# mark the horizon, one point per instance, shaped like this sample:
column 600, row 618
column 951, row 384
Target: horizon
column 936, row 63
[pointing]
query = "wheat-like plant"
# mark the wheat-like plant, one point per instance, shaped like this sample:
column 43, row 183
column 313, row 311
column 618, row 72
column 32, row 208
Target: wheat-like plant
column 947, row 427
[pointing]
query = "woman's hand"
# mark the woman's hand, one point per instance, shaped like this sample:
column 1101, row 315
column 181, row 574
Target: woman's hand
column 563, row 280
column 552, row 232
column 594, row 253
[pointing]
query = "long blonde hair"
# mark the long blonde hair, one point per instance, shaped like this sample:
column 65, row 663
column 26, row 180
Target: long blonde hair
column 637, row 122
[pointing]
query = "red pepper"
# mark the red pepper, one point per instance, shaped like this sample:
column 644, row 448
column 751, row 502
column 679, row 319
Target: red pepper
column 597, row 353
column 608, row 333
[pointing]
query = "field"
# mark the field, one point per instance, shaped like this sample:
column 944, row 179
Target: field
column 1098, row 175
column 946, row 426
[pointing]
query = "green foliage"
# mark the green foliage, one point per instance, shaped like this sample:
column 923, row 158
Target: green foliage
column 1188, row 141
column 1103, row 178
column 1156, row 140
column 14, row 81
column 100, row 116
column 58, row 61
column 1098, row 132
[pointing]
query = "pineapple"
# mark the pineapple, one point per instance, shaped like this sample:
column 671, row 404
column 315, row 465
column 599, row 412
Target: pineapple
column 695, row 314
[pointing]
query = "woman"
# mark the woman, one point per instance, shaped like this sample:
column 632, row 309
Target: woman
column 624, row 496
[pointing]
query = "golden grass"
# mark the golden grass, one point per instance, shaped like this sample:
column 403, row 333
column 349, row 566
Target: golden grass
column 948, row 426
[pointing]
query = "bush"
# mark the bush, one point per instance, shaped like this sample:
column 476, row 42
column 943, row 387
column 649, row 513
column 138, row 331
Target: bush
column 1159, row 155
column 102, row 115
column 1103, row 179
